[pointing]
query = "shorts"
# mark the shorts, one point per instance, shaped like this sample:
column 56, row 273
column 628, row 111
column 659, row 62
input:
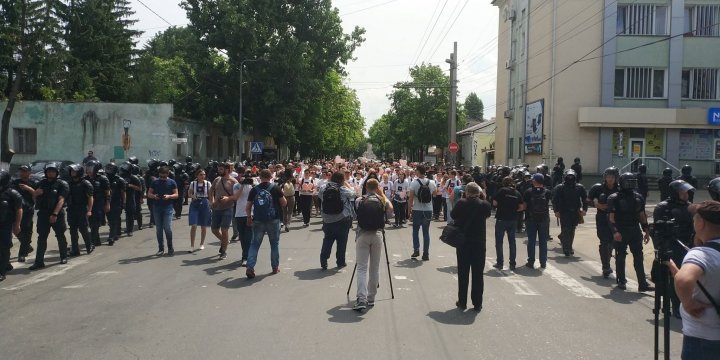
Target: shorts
column 199, row 213
column 222, row 218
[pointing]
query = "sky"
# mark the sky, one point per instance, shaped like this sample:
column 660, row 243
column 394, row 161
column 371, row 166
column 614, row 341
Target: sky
column 399, row 34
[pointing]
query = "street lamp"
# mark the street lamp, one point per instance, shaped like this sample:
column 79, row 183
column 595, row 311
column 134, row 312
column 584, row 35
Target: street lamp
column 241, row 143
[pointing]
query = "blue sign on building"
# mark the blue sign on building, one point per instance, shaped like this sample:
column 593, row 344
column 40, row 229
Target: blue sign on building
column 256, row 147
column 714, row 116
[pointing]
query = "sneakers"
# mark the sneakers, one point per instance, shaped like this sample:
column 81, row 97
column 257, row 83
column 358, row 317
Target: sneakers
column 202, row 247
column 371, row 303
column 63, row 261
column 498, row 266
column 160, row 253
column 415, row 254
column 276, row 270
column 171, row 252
column 426, row 257
column 250, row 273
column 223, row 256
column 360, row 306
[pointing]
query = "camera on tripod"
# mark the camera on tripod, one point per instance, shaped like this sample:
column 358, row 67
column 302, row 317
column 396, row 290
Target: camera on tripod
column 667, row 231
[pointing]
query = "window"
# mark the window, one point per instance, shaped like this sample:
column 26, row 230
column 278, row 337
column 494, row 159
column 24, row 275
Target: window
column 700, row 84
column 640, row 83
column 208, row 146
column 642, row 19
column 25, row 141
column 703, row 20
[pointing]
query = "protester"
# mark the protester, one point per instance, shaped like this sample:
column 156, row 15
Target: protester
column 400, row 191
column 470, row 214
column 221, row 203
column 337, row 214
column 241, row 191
column 307, row 189
column 164, row 192
column 420, row 201
column 264, row 209
column 287, row 181
column 199, row 213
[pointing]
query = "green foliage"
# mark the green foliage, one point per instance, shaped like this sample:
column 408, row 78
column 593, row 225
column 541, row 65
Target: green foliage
column 474, row 107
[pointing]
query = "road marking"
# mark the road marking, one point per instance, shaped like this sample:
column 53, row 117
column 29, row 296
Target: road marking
column 400, row 277
column 46, row 275
column 520, row 285
column 396, row 255
column 569, row 283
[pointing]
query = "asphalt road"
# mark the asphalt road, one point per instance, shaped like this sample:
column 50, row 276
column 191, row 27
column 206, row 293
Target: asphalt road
column 122, row 302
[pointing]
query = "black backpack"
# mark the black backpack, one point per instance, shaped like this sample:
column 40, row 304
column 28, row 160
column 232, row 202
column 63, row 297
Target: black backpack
column 424, row 194
column 331, row 200
column 538, row 210
column 371, row 213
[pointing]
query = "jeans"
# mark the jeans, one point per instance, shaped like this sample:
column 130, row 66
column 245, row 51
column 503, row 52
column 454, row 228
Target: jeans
column 260, row 228
column 449, row 207
column 502, row 227
column 541, row 232
column 367, row 248
column 699, row 349
column 163, row 223
column 245, row 233
column 421, row 218
column 337, row 231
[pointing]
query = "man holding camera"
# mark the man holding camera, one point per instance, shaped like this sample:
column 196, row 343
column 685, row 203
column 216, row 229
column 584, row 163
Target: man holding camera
column 701, row 323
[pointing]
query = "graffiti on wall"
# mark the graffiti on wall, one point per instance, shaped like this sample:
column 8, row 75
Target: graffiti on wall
column 90, row 122
column 153, row 153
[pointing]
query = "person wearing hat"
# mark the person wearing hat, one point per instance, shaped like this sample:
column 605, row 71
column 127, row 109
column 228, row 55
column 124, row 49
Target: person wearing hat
column 537, row 213
column 26, row 186
column 701, row 265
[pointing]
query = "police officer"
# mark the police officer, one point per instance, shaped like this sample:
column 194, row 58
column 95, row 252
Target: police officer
column 577, row 167
column 26, row 186
column 672, row 221
column 598, row 195
column 569, row 203
column 139, row 195
column 11, row 213
column 101, row 199
column 642, row 181
column 133, row 187
column 50, row 195
column 524, row 185
column 150, row 176
column 626, row 210
column 686, row 174
column 80, row 204
column 664, row 184
column 714, row 188
column 117, row 201
column 181, row 178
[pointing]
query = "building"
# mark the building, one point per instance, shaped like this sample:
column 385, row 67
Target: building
column 609, row 81
column 477, row 144
column 113, row 131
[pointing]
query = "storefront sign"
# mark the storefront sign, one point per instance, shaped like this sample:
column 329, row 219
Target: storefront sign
column 654, row 142
column 534, row 118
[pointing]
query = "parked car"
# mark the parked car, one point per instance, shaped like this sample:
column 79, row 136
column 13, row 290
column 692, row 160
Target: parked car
column 37, row 168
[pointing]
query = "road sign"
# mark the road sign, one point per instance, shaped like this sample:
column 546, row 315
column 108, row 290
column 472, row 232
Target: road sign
column 453, row 147
column 714, row 116
column 256, row 147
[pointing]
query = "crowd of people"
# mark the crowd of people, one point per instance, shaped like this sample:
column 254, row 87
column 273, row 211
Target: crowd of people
column 246, row 201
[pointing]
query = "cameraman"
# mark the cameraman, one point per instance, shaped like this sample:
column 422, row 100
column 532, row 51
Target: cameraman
column 701, row 323
column 672, row 221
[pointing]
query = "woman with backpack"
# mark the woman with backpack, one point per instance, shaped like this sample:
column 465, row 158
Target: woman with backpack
column 470, row 214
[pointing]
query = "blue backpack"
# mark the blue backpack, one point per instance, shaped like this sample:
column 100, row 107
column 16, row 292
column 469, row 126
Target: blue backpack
column 263, row 206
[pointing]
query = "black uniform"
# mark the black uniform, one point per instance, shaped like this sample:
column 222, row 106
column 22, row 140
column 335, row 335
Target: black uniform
column 26, row 224
column 642, row 182
column 131, row 202
column 577, row 167
column 690, row 179
column 568, row 200
column 627, row 205
column 601, row 193
column 101, row 185
column 10, row 202
column 77, row 207
column 54, row 190
column 117, row 189
column 664, row 187
column 181, row 178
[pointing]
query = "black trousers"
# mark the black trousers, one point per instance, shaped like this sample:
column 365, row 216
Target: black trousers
column 568, row 223
column 130, row 217
column 306, row 202
column 96, row 221
column 4, row 258
column 78, row 223
column 43, row 230
column 631, row 237
column 439, row 204
column 115, row 221
column 470, row 259
column 400, row 212
column 178, row 204
column 606, row 240
column 26, row 230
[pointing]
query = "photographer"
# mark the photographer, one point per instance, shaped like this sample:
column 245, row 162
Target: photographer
column 701, row 323
column 672, row 221
column 163, row 191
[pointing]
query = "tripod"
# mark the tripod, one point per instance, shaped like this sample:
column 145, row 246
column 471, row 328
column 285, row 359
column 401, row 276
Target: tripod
column 392, row 292
column 662, row 297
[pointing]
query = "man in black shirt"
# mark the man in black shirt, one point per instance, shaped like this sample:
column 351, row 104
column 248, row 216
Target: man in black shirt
column 133, row 188
column 537, row 200
column 11, row 210
column 508, row 202
column 569, row 204
column 26, row 186
column 101, row 199
column 50, row 196
column 117, row 201
column 80, row 202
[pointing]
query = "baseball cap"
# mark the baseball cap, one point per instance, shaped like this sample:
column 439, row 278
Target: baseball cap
column 538, row 178
column 709, row 210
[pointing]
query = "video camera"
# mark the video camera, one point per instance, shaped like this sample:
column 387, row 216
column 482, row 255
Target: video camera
column 667, row 230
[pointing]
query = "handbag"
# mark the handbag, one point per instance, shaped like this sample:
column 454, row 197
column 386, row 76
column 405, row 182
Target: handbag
column 453, row 235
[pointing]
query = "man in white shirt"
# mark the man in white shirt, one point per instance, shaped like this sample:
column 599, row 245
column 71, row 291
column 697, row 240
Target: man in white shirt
column 422, row 211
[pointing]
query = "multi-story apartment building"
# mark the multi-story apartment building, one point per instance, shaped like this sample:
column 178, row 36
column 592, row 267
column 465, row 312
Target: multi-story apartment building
column 609, row 81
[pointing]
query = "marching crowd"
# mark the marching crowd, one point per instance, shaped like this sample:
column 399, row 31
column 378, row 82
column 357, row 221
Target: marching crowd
column 243, row 201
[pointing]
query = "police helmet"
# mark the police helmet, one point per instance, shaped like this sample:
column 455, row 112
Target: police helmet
column 642, row 169
column 628, row 181
column 78, row 170
column 133, row 160
column 171, row 162
column 667, row 172
column 52, row 166
column 135, row 170
column 4, row 180
column 93, row 167
column 162, row 163
column 152, row 164
column 178, row 168
column 125, row 169
column 611, row 171
column 188, row 159
column 25, row 167
column 686, row 170
column 577, row 160
column 111, row 169
column 678, row 186
column 570, row 175
column 714, row 188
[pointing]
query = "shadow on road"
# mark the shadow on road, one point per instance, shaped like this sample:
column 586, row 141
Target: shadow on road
column 201, row 261
column 222, row 268
column 138, row 259
column 241, row 282
column 344, row 314
column 314, row 274
column 448, row 269
column 599, row 280
column 408, row 263
column 624, row 297
column 675, row 324
column 454, row 316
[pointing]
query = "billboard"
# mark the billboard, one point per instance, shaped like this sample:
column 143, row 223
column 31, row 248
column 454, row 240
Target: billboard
column 534, row 119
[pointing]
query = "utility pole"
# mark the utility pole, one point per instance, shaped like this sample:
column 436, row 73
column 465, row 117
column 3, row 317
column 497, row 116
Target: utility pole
column 452, row 116
column 241, row 142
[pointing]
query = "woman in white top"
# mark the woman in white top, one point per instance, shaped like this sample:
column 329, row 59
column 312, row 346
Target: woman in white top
column 199, row 214
column 400, row 199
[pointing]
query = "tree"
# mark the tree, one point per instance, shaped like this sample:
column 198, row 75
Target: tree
column 474, row 107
